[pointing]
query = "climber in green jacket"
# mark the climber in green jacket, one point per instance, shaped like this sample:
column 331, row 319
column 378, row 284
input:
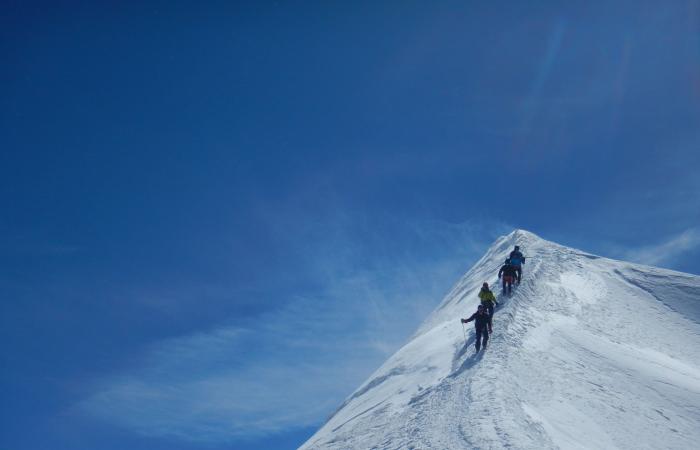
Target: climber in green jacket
column 488, row 300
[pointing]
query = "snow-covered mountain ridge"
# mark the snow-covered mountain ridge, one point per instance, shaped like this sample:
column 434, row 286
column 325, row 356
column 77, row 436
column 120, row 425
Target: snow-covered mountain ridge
column 588, row 352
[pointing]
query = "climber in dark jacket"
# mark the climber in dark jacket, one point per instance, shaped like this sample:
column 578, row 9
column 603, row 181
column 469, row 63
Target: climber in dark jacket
column 509, row 273
column 482, row 325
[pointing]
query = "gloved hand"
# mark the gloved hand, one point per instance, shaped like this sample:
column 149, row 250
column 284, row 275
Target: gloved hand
column 462, row 320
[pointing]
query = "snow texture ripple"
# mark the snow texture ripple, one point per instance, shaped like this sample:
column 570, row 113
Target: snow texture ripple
column 588, row 353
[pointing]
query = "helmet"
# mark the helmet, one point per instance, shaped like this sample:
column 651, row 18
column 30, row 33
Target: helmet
column 517, row 247
column 480, row 307
column 507, row 261
column 485, row 285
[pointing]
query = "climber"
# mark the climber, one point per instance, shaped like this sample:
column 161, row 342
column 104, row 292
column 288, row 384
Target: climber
column 509, row 273
column 517, row 259
column 482, row 325
column 488, row 300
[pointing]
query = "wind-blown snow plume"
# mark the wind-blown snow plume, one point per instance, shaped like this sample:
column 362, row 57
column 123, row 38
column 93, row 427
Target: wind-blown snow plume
column 587, row 353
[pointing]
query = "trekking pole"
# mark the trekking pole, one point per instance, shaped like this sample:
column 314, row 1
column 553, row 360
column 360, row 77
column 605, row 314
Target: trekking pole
column 465, row 333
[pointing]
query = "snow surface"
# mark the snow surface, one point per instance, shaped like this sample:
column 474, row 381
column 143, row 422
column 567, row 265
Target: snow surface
column 588, row 352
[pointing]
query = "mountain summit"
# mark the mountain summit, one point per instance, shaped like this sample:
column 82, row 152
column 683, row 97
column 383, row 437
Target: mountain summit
column 588, row 352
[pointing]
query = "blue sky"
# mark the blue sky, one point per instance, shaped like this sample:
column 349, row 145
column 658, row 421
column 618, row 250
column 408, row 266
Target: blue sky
column 218, row 219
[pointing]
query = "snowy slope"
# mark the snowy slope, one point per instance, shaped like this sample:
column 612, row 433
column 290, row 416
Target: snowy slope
column 588, row 353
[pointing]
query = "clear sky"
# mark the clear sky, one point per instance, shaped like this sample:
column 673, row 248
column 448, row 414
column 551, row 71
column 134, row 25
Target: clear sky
column 218, row 218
